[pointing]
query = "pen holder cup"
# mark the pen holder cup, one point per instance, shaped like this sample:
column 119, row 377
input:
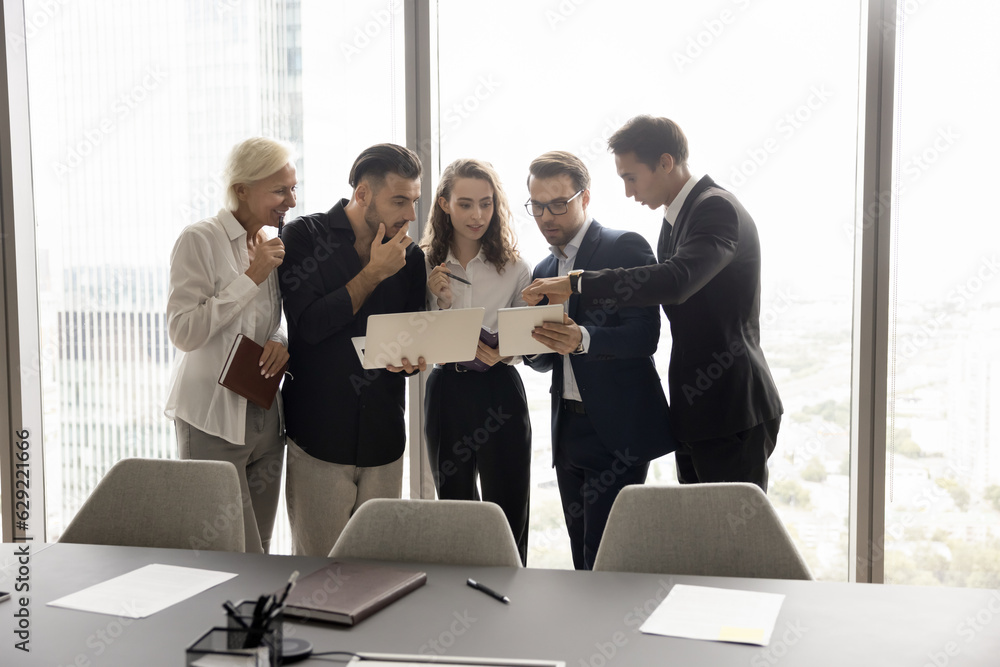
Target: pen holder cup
column 232, row 645
column 244, row 609
column 222, row 647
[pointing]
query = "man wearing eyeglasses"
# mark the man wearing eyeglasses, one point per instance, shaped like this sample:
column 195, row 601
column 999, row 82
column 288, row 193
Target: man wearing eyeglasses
column 609, row 412
column 724, row 404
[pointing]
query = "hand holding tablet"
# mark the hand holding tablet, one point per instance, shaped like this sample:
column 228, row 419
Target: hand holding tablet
column 516, row 325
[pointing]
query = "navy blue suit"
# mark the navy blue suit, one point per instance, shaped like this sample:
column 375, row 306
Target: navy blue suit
column 622, row 425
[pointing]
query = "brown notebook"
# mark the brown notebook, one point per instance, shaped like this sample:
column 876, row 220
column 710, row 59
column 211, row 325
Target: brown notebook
column 345, row 592
column 242, row 373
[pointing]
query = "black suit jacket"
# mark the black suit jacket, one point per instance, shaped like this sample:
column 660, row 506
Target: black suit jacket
column 619, row 384
column 708, row 281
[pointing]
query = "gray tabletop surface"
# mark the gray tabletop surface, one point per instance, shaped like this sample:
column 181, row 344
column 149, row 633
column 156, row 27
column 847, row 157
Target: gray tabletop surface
column 587, row 619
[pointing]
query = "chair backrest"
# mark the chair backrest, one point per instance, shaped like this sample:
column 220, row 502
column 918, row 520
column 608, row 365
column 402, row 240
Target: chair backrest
column 727, row 530
column 163, row 503
column 454, row 532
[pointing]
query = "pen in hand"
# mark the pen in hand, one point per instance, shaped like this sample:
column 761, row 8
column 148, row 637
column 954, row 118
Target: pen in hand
column 454, row 277
column 489, row 591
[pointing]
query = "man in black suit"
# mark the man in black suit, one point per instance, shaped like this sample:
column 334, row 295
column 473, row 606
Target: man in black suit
column 725, row 409
column 609, row 413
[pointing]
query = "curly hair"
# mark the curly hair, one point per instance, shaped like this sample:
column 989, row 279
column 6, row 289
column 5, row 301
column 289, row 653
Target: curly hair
column 498, row 243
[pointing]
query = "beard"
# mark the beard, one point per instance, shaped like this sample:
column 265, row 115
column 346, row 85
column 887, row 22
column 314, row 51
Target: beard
column 374, row 218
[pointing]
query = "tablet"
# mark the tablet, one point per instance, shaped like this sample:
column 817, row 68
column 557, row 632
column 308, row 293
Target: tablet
column 439, row 336
column 515, row 326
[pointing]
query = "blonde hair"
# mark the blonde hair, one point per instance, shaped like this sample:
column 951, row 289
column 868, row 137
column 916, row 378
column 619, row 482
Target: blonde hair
column 252, row 160
column 498, row 243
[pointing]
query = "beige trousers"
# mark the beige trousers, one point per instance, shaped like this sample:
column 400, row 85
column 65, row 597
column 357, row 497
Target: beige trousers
column 258, row 462
column 322, row 496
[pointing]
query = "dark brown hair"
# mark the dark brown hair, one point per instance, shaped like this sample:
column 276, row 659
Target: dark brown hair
column 555, row 163
column 381, row 159
column 498, row 241
column 649, row 138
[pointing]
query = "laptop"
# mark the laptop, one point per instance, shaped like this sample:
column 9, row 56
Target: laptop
column 439, row 336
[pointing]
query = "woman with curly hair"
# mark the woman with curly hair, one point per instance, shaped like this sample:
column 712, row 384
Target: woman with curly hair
column 476, row 414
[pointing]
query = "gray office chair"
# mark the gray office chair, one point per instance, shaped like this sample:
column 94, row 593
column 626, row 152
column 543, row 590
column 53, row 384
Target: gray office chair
column 727, row 530
column 453, row 532
column 163, row 503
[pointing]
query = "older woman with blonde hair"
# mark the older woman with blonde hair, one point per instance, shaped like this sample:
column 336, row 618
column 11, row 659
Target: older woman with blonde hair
column 223, row 283
column 477, row 422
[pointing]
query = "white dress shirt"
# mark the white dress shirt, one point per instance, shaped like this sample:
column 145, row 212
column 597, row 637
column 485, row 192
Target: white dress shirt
column 566, row 258
column 671, row 211
column 489, row 289
column 211, row 300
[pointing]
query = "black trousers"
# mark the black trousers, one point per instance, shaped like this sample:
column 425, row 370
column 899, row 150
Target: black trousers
column 477, row 426
column 591, row 473
column 741, row 457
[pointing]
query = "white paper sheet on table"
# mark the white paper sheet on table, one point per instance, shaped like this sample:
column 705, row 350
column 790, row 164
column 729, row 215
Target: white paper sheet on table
column 716, row 614
column 143, row 592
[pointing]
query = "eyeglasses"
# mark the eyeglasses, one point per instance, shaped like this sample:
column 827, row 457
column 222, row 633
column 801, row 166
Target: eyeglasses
column 537, row 210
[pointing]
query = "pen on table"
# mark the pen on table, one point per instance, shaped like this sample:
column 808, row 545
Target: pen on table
column 489, row 591
column 454, row 277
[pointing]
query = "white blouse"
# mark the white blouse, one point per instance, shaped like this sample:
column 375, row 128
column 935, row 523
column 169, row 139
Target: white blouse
column 490, row 289
column 211, row 300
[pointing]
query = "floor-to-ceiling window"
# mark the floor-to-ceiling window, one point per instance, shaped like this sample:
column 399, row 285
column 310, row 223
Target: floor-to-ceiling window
column 767, row 93
column 943, row 467
column 134, row 106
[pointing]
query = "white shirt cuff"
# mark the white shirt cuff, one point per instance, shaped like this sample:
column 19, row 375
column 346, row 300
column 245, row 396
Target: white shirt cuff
column 585, row 342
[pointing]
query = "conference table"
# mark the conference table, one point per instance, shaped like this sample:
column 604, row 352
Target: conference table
column 587, row 619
